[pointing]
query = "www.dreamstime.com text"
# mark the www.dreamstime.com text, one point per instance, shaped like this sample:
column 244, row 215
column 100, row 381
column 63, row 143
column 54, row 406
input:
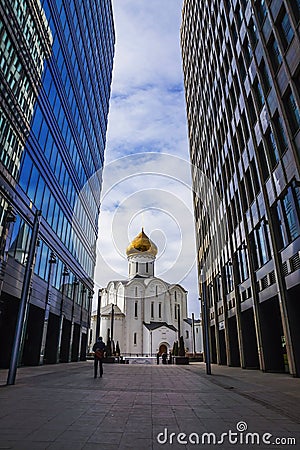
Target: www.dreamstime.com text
column 239, row 437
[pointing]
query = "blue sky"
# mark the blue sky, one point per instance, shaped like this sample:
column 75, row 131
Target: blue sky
column 147, row 171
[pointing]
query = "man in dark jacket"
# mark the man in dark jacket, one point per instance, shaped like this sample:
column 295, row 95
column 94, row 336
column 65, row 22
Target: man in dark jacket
column 99, row 349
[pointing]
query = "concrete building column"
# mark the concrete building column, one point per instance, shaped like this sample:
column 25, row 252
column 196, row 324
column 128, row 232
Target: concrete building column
column 51, row 261
column 75, row 286
column 65, row 274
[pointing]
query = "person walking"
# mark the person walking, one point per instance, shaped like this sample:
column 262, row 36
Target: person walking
column 157, row 358
column 98, row 349
column 164, row 357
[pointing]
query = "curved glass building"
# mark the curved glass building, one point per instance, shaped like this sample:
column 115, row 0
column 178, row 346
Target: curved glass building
column 56, row 62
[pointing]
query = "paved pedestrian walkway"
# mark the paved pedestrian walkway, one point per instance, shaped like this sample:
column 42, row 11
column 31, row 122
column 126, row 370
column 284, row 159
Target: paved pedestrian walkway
column 148, row 407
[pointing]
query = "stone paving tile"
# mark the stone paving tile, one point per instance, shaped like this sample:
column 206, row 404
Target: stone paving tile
column 91, row 446
column 30, row 445
column 42, row 435
column 66, row 445
column 135, row 444
column 105, row 437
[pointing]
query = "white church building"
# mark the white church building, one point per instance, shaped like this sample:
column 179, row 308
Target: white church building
column 145, row 314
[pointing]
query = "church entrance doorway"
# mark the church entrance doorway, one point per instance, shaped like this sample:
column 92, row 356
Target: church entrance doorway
column 163, row 349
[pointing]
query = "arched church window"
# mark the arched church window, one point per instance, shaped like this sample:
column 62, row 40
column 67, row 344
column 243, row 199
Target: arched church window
column 152, row 310
column 159, row 310
column 136, row 291
column 134, row 339
column 187, row 334
column 136, row 309
column 136, row 266
column 147, row 267
column 175, row 295
column 156, row 291
column 175, row 310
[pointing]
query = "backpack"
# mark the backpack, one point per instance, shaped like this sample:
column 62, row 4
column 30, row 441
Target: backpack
column 99, row 353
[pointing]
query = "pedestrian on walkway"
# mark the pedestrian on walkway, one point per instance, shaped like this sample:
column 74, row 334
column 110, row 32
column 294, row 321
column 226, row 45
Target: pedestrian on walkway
column 99, row 350
column 157, row 358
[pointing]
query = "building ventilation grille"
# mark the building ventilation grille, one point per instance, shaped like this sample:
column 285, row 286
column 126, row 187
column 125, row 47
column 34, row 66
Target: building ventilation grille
column 272, row 277
column 264, row 282
column 295, row 262
column 285, row 269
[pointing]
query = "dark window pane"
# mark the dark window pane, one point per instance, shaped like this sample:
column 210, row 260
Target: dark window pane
column 259, row 96
column 275, row 54
column 25, row 172
column 292, row 111
column 272, row 148
column 263, row 162
column 286, row 31
column 295, row 5
column 291, row 216
column 265, row 77
column 261, row 10
column 280, row 133
column 33, row 183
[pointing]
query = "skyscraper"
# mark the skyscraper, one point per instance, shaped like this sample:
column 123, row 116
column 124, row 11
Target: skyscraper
column 241, row 62
column 55, row 71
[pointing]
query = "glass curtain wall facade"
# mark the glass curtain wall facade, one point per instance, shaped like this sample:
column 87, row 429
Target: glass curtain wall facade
column 241, row 63
column 56, row 69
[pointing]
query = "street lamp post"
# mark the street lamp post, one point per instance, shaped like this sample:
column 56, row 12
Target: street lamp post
column 90, row 300
column 98, row 315
column 112, row 328
column 206, row 324
column 52, row 260
column 178, row 321
column 65, row 274
column 193, row 334
column 83, row 293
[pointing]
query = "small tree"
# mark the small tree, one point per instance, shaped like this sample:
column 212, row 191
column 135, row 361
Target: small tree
column 118, row 352
column 175, row 349
column 181, row 351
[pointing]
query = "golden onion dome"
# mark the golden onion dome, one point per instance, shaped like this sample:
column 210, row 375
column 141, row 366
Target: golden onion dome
column 141, row 244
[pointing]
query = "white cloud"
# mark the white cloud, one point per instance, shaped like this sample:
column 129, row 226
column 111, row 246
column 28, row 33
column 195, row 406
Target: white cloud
column 151, row 118
column 147, row 114
column 148, row 49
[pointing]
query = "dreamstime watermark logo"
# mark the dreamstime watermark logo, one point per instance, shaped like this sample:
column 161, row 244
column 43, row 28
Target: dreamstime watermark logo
column 240, row 436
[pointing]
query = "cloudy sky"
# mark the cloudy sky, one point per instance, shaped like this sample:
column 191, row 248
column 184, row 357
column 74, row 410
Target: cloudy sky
column 147, row 172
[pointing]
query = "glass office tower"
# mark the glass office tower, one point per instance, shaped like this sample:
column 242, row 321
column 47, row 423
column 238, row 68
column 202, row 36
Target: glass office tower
column 241, row 62
column 55, row 71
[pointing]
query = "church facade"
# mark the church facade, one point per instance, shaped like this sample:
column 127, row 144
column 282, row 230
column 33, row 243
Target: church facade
column 144, row 314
